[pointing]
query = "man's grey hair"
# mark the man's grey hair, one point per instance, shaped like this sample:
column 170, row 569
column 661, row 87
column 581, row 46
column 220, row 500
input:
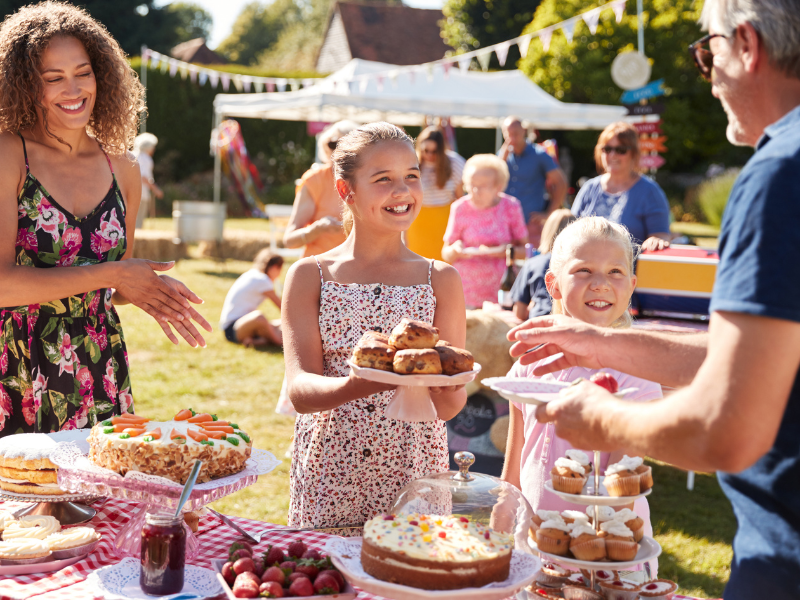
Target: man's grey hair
column 776, row 21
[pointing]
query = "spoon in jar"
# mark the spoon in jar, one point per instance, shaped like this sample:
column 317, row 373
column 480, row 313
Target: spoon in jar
column 187, row 488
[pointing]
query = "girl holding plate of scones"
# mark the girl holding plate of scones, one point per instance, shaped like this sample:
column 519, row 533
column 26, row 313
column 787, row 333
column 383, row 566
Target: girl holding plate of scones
column 69, row 194
column 590, row 278
column 350, row 460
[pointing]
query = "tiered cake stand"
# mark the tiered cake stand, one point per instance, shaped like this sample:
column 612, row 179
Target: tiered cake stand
column 77, row 474
column 594, row 496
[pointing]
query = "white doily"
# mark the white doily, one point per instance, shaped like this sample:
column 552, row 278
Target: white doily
column 346, row 555
column 121, row 582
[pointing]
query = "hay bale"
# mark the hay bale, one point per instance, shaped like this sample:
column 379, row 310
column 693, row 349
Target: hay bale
column 486, row 339
column 157, row 245
column 237, row 244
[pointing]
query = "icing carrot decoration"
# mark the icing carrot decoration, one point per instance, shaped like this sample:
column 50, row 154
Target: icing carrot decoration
column 218, row 428
column 183, row 415
column 133, row 431
column 213, row 423
column 155, row 433
column 201, row 418
column 197, row 436
column 174, row 435
column 129, row 419
column 215, row 435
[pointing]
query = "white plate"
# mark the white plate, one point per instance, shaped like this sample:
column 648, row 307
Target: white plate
column 121, row 582
column 414, row 380
column 482, row 250
column 44, row 567
column 648, row 550
column 534, row 391
column 346, row 555
column 589, row 499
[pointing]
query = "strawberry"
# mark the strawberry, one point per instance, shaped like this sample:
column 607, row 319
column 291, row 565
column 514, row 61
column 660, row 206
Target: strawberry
column 335, row 574
column 260, row 566
column 244, row 564
column 301, row 587
column 288, row 564
column 307, row 567
column 270, row 589
column 274, row 574
column 325, row 584
column 296, row 549
column 295, row 576
column 605, row 380
column 312, row 553
column 273, row 555
column 227, row 573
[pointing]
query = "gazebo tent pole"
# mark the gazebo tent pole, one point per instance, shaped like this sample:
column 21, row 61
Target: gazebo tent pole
column 217, row 163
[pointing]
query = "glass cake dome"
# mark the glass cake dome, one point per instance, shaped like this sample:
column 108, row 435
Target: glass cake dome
column 478, row 497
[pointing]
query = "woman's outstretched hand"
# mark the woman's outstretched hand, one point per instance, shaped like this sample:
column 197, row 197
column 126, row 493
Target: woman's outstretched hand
column 165, row 299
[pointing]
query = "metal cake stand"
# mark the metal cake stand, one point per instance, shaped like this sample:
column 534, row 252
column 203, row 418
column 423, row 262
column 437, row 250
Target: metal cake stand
column 69, row 509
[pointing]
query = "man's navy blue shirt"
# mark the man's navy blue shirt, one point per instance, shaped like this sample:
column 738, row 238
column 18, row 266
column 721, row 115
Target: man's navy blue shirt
column 759, row 274
column 530, row 285
column 528, row 174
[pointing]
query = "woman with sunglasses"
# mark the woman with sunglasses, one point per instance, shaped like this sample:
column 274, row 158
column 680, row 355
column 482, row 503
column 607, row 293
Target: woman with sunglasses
column 440, row 172
column 316, row 220
column 621, row 194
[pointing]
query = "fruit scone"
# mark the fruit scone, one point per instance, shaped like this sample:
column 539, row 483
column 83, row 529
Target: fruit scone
column 25, row 466
column 170, row 448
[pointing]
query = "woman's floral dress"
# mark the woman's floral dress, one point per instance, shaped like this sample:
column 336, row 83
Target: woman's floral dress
column 349, row 463
column 63, row 363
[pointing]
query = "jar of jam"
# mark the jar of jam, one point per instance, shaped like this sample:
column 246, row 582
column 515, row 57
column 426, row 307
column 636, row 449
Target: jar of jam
column 163, row 554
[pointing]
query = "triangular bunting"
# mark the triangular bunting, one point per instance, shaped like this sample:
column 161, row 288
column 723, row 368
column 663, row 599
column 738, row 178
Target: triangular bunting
column 379, row 80
column 213, row 78
column 193, row 74
column 145, row 58
column 619, row 9
column 591, row 18
column 164, row 64
column 393, row 77
column 226, row 81
column 183, row 69
column 484, row 58
column 281, row 83
column 429, row 71
column 246, row 81
column 308, row 82
column 446, row 68
column 502, row 52
column 546, row 35
column 258, row 85
column 523, row 44
column 362, row 85
column 294, row 84
column 203, row 77
column 173, row 67
column 463, row 63
column 568, row 28
column 237, row 83
column 270, row 85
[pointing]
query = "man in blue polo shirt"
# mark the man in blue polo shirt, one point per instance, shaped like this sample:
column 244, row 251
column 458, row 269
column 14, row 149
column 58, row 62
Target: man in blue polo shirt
column 533, row 174
column 739, row 411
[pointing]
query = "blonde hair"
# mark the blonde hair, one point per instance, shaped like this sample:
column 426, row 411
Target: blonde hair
column 554, row 225
column 627, row 136
column 583, row 230
column 346, row 161
column 485, row 161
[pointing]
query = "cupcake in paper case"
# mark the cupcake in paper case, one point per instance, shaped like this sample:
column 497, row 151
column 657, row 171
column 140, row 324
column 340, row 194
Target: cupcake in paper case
column 541, row 515
column 659, row 589
column 619, row 590
column 645, row 477
column 605, row 513
column 568, row 476
column 585, row 543
column 552, row 575
column 571, row 516
column 580, row 457
column 577, row 592
column 553, row 537
column 632, row 521
column 621, row 480
column 620, row 545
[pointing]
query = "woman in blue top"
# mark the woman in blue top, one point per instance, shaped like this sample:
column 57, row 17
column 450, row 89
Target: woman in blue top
column 621, row 194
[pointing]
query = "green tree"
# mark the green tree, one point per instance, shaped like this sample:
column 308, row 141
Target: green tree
column 693, row 121
column 471, row 24
column 193, row 21
column 299, row 42
column 257, row 28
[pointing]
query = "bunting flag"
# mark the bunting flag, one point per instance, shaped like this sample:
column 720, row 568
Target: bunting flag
column 213, row 78
column 502, row 52
column 173, row 67
column 226, row 81
column 483, row 59
column 281, row 83
column 429, row 70
column 568, row 29
column 446, row 67
column 247, row 82
column 237, row 83
column 258, row 86
column 591, row 19
column 464, row 62
column 619, row 9
column 362, row 86
column 523, row 44
column 546, row 35
column 270, row 86
column 184, row 71
column 393, row 78
column 203, row 77
column 379, row 81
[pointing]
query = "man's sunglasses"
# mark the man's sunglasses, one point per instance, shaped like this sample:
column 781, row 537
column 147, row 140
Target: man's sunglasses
column 621, row 150
column 332, row 145
column 703, row 58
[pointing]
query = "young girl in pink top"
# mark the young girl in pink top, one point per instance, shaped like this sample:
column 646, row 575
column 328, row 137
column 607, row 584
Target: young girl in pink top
column 590, row 278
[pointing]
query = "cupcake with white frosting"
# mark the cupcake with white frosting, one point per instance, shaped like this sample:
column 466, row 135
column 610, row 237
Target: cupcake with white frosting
column 568, row 476
column 580, row 457
column 585, row 544
column 572, row 516
column 553, row 537
column 541, row 515
column 606, row 513
column 632, row 521
column 621, row 479
column 620, row 545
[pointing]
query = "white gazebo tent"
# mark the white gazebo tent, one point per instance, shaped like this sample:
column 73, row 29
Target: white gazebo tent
column 469, row 99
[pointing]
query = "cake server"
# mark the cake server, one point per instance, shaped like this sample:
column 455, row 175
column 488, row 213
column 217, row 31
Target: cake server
column 256, row 538
column 187, row 488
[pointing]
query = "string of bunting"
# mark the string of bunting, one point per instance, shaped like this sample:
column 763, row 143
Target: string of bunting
column 244, row 83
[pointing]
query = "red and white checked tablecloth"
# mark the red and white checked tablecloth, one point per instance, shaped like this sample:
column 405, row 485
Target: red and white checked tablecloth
column 213, row 536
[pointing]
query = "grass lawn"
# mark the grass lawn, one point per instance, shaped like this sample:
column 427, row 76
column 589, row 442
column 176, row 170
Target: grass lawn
column 694, row 528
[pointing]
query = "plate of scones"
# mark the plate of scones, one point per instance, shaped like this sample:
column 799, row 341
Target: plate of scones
column 412, row 355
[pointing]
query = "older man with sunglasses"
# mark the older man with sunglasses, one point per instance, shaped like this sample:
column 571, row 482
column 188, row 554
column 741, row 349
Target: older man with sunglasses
column 739, row 410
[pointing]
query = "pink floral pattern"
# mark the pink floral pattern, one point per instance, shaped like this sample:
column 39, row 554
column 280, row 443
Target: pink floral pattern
column 349, row 463
column 495, row 226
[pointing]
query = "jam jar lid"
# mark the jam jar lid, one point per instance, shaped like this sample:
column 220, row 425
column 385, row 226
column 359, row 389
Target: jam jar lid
column 162, row 518
column 476, row 496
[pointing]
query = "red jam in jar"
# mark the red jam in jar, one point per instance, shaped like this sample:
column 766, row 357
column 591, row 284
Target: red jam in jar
column 163, row 554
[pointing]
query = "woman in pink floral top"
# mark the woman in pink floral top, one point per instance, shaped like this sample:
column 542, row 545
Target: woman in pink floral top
column 483, row 219
column 68, row 199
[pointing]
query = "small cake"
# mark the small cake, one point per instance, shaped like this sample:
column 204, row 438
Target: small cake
column 586, row 544
column 546, row 593
column 552, row 575
column 568, row 476
column 579, row 579
column 578, row 592
column 580, row 457
column 25, row 466
column 71, row 538
column 621, row 480
column 23, row 549
column 632, row 521
column 601, row 575
column 605, row 513
column 454, row 360
column 645, row 477
column 6, row 518
column 32, row 526
column 407, row 362
column 619, row 590
column 170, row 448
column 541, row 515
column 433, row 552
column 372, row 352
column 658, row 589
column 570, row 516
column 192, row 519
column 553, row 537
column 413, row 335
column 620, row 545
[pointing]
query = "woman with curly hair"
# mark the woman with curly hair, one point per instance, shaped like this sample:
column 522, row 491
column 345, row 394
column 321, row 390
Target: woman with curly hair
column 69, row 193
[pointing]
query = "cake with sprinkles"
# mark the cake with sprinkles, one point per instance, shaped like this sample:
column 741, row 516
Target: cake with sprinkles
column 434, row 552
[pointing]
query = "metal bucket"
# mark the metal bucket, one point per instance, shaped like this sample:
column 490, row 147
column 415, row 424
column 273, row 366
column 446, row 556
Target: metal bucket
column 198, row 221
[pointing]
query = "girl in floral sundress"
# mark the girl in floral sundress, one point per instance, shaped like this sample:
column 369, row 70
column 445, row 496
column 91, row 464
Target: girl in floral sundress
column 350, row 460
column 69, row 107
